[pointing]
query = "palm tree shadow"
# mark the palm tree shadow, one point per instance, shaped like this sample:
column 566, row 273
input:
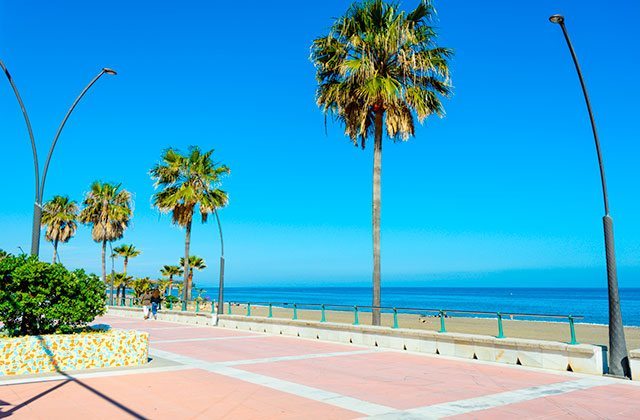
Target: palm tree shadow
column 69, row 379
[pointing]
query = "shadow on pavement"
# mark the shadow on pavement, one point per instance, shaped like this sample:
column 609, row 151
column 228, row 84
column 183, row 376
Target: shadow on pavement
column 69, row 379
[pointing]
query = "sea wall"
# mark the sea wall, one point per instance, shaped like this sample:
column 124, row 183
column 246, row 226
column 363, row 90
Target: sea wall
column 583, row 358
column 65, row 352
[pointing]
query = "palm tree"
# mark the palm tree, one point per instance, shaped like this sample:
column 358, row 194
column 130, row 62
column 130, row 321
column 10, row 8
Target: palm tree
column 195, row 263
column 141, row 285
column 126, row 252
column 186, row 182
column 379, row 67
column 170, row 271
column 162, row 286
column 108, row 209
column 120, row 281
column 59, row 216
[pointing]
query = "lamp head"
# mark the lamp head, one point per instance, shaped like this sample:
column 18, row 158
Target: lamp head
column 559, row 19
column 109, row 71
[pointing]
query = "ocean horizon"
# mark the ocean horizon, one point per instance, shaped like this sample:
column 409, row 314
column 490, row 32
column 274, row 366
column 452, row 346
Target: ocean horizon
column 591, row 303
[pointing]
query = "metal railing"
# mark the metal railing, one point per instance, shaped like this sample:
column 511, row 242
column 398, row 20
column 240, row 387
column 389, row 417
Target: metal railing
column 442, row 314
column 198, row 306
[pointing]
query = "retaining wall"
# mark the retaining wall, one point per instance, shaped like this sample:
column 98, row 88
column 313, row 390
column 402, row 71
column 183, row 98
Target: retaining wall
column 583, row 358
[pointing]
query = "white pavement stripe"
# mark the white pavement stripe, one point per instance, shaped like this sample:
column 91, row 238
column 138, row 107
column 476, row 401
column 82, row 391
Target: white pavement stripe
column 327, row 397
column 185, row 340
column 59, row 377
column 206, row 365
column 178, row 327
column 301, row 357
column 486, row 402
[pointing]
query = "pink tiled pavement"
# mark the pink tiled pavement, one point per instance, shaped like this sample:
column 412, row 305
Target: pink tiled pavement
column 159, row 330
column 174, row 395
column 403, row 381
column 604, row 402
column 252, row 348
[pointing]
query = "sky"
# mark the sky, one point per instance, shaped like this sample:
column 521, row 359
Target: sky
column 504, row 190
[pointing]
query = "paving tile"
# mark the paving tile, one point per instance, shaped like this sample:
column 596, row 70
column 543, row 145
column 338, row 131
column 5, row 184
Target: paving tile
column 403, row 381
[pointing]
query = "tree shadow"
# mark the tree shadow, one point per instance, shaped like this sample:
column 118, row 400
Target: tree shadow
column 69, row 379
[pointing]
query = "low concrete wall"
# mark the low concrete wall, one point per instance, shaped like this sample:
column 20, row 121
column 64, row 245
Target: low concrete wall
column 202, row 318
column 634, row 361
column 63, row 352
column 583, row 358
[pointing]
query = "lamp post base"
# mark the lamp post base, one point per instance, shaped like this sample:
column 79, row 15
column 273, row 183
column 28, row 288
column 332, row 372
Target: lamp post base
column 618, row 356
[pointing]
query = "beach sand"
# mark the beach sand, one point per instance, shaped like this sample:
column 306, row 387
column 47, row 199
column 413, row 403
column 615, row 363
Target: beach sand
column 549, row 331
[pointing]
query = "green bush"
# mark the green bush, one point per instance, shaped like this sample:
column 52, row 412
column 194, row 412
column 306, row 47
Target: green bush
column 42, row 298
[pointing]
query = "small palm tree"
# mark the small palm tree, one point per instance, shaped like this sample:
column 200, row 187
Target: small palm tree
column 141, row 285
column 377, row 69
column 162, row 286
column 59, row 216
column 108, row 209
column 126, row 252
column 120, row 281
column 187, row 182
column 170, row 271
column 195, row 263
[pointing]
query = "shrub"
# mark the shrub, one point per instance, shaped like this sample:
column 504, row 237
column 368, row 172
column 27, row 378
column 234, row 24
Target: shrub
column 42, row 298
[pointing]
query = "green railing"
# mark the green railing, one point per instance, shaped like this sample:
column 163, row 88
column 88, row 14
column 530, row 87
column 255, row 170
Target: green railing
column 248, row 309
column 442, row 314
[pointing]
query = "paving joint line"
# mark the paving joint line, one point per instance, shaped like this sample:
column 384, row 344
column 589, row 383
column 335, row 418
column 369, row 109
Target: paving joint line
column 304, row 391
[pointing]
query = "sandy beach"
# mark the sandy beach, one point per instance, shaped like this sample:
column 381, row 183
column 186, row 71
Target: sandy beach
column 551, row 331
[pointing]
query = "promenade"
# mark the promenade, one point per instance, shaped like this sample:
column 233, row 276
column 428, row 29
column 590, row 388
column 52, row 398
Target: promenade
column 214, row 373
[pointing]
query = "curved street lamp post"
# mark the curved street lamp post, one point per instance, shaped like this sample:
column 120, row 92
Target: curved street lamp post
column 39, row 184
column 618, row 357
column 220, row 310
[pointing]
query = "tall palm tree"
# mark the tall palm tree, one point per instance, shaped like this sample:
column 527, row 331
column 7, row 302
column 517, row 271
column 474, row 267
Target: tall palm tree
column 170, row 271
column 195, row 263
column 59, row 216
column 126, row 252
column 379, row 68
column 186, row 182
column 108, row 209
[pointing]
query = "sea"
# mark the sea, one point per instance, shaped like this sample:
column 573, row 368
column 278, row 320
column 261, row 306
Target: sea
column 591, row 304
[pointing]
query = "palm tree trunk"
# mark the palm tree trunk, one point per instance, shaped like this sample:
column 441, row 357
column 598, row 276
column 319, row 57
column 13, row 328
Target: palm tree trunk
column 170, row 284
column 55, row 251
column 186, row 290
column 376, row 204
column 104, row 263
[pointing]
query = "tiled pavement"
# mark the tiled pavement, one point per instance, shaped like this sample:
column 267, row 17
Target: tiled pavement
column 205, row 372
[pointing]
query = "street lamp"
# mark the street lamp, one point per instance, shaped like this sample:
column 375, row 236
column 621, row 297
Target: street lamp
column 220, row 310
column 39, row 185
column 618, row 357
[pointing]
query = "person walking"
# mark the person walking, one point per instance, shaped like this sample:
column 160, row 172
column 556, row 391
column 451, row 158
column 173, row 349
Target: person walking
column 155, row 303
column 145, row 299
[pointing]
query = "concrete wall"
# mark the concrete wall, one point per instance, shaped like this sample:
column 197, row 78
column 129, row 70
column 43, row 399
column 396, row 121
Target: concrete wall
column 583, row 358
column 202, row 318
column 634, row 361
column 64, row 352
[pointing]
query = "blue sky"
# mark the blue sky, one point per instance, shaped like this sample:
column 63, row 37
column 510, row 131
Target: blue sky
column 503, row 190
